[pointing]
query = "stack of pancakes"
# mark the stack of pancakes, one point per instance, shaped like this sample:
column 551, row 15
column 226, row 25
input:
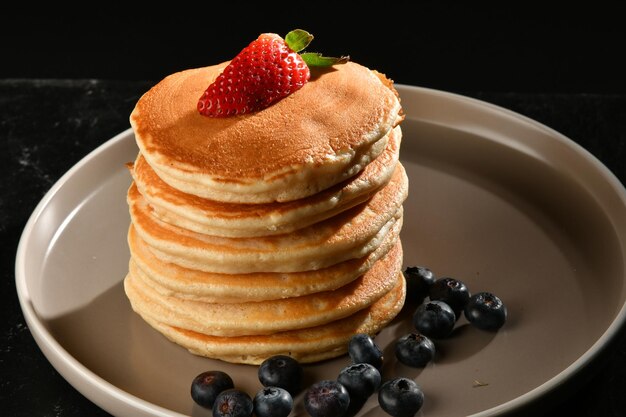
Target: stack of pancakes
column 275, row 232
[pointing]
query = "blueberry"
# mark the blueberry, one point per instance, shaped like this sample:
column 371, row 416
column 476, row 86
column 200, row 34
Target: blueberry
column 452, row 292
column 232, row 403
column 272, row 402
column 400, row 397
column 434, row 319
column 326, row 399
column 363, row 349
column 281, row 371
column 206, row 386
column 360, row 379
column 419, row 279
column 486, row 311
column 415, row 350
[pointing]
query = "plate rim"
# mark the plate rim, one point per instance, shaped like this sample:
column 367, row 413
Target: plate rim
column 91, row 385
column 54, row 352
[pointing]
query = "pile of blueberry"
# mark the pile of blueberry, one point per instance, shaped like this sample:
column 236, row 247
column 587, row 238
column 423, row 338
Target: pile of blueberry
column 440, row 304
column 280, row 375
column 357, row 382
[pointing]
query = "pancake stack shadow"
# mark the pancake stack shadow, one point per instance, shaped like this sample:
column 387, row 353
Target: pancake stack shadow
column 270, row 233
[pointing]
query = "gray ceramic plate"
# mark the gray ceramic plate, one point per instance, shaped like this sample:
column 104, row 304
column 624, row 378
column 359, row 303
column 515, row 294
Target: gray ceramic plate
column 497, row 200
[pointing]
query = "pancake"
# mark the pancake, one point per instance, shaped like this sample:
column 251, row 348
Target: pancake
column 246, row 220
column 271, row 232
column 351, row 234
column 305, row 345
column 319, row 136
column 174, row 281
column 271, row 316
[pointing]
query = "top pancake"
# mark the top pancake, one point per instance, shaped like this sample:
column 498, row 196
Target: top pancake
column 318, row 136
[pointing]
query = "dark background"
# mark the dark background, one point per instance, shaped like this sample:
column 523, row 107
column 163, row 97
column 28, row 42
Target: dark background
column 69, row 79
column 465, row 46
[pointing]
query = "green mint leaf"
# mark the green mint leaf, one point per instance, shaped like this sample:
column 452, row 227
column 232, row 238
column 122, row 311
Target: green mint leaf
column 298, row 39
column 314, row 59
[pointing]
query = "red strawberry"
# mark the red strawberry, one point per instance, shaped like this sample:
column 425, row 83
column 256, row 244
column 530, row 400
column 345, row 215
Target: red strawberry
column 264, row 72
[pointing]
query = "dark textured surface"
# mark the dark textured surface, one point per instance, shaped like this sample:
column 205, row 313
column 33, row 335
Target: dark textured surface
column 47, row 126
column 489, row 46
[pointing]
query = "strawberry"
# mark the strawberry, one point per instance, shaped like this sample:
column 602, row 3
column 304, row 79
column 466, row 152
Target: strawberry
column 264, row 72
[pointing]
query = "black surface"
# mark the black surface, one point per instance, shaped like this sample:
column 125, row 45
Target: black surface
column 564, row 68
column 453, row 46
